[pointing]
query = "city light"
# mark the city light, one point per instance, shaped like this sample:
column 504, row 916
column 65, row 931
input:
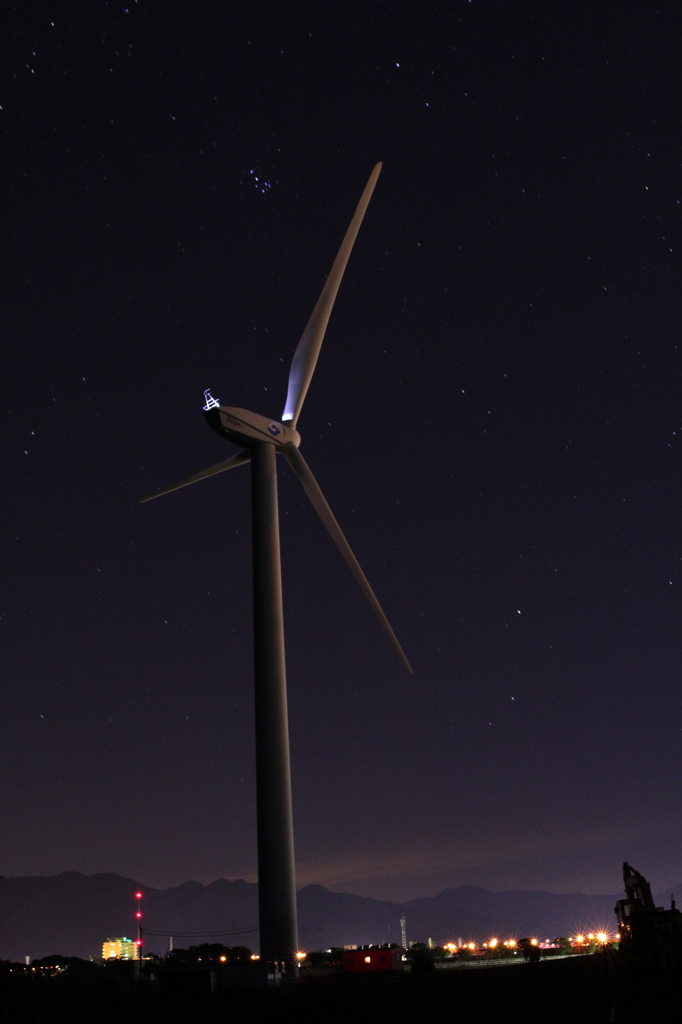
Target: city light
column 138, row 895
column 255, row 956
column 533, row 942
column 368, row 959
column 300, row 956
column 223, row 958
column 493, row 943
column 602, row 936
column 580, row 938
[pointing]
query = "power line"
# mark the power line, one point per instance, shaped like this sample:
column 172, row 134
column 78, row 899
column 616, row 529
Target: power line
column 206, row 934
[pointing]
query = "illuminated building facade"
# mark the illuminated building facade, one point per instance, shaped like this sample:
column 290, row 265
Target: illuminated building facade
column 120, row 949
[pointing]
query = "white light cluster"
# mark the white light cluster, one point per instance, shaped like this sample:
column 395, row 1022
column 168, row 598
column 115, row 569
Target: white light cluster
column 262, row 184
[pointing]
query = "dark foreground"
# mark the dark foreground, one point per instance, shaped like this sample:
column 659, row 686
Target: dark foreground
column 599, row 989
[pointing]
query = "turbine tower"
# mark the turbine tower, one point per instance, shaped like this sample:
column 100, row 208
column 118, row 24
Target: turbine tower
column 262, row 440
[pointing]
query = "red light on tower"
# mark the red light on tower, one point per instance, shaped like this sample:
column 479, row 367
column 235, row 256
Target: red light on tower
column 138, row 916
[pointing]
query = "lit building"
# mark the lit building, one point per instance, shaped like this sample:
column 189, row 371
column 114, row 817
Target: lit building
column 120, row 949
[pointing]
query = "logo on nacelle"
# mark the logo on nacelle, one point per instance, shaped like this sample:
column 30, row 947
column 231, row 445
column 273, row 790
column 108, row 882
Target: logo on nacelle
column 274, row 429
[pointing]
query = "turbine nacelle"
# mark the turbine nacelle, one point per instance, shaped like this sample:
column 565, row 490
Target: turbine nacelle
column 246, row 428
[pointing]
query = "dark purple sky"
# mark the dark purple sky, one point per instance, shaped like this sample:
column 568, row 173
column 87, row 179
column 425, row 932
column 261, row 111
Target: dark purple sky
column 495, row 421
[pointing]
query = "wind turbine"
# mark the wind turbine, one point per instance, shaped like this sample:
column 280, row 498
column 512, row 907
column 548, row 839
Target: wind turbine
column 262, row 439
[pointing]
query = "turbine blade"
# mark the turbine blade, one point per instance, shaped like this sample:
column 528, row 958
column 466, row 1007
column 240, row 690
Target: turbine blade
column 305, row 356
column 220, row 467
column 319, row 503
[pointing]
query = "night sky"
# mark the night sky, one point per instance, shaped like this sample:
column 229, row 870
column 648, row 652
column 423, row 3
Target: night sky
column 495, row 421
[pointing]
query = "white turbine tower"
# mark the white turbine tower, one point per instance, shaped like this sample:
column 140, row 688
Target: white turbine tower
column 262, row 439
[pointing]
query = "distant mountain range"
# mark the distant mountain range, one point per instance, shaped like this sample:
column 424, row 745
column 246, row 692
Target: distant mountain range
column 73, row 914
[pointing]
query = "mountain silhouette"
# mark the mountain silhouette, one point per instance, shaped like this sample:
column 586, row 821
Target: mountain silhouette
column 73, row 914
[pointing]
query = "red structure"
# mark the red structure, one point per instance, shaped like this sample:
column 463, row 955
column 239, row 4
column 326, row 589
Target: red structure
column 372, row 959
column 138, row 915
